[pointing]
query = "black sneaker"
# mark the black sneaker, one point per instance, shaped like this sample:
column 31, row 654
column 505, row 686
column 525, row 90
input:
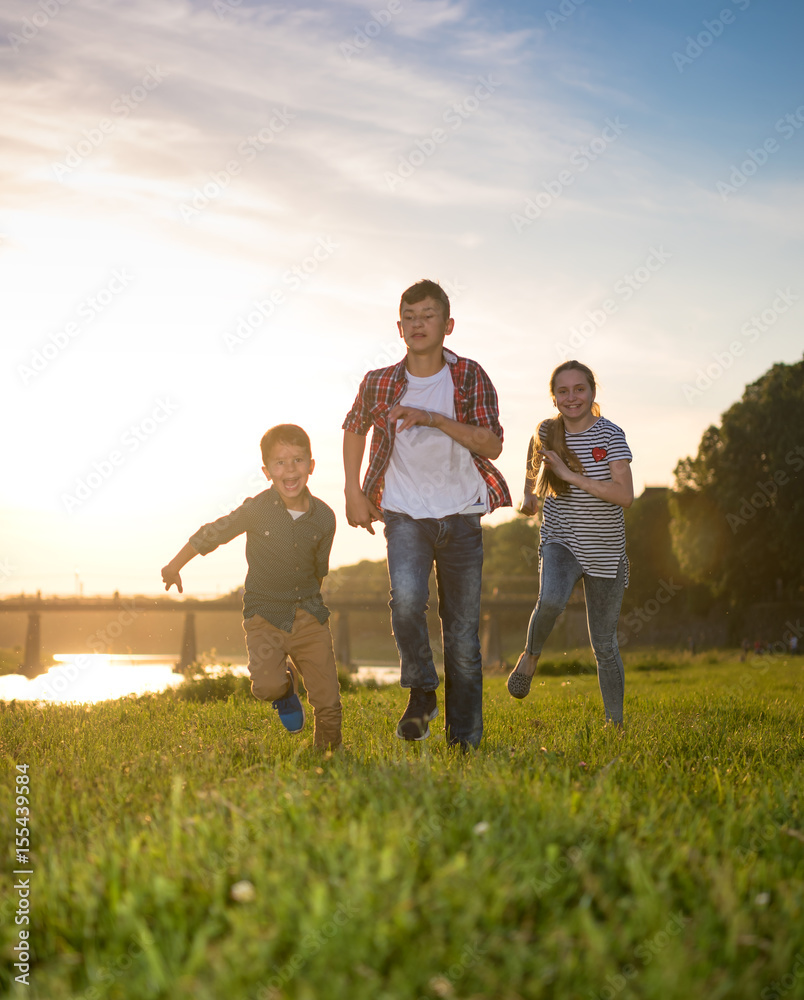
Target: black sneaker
column 415, row 721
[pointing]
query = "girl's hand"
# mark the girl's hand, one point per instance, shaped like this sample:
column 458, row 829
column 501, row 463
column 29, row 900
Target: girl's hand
column 554, row 463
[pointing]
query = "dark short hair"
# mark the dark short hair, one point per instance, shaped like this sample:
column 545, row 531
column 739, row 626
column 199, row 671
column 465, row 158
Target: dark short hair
column 290, row 434
column 425, row 289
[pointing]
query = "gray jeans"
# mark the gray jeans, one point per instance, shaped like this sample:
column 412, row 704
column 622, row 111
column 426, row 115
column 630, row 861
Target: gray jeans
column 559, row 571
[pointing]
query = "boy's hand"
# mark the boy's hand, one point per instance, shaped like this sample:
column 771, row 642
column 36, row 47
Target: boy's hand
column 361, row 512
column 170, row 576
column 411, row 416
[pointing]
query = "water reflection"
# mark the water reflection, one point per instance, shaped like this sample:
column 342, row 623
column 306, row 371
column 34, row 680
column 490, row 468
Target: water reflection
column 87, row 678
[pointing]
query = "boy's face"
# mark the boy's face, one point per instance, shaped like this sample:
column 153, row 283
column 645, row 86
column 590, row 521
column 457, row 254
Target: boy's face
column 289, row 467
column 422, row 325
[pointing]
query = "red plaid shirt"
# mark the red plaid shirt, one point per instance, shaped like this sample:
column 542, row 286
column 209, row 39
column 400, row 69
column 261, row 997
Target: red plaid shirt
column 381, row 390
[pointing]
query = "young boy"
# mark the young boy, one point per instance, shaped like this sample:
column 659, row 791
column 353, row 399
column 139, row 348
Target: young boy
column 435, row 425
column 289, row 535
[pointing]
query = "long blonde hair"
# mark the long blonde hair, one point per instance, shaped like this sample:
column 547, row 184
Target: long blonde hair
column 555, row 439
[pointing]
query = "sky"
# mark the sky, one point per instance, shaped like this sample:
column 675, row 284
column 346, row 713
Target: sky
column 209, row 210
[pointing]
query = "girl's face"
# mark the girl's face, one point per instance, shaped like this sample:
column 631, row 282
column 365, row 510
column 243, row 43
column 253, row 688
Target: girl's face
column 573, row 397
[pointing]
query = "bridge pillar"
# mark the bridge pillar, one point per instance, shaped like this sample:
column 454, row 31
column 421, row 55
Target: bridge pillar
column 32, row 664
column 343, row 645
column 491, row 639
column 189, row 654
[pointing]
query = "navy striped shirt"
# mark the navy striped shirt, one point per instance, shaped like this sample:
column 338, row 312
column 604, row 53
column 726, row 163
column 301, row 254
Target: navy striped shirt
column 591, row 528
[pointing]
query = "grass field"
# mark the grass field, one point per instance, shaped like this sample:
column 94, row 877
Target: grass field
column 562, row 860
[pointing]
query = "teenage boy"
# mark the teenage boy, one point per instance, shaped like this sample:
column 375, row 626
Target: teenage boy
column 435, row 425
column 289, row 535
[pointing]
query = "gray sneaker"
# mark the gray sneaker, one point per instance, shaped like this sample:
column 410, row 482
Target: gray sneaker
column 518, row 684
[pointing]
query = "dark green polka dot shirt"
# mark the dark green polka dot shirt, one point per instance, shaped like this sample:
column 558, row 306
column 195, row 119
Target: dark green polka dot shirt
column 287, row 558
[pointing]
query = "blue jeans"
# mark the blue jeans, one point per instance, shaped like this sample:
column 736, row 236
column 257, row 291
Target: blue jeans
column 455, row 545
column 559, row 571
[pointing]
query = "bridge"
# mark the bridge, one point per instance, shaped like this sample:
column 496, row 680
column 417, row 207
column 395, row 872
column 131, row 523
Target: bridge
column 492, row 607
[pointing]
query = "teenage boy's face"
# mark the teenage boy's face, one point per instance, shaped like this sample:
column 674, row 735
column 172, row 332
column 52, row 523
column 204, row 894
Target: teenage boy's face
column 423, row 326
column 289, row 467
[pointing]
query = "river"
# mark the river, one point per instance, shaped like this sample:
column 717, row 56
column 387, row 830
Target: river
column 87, row 678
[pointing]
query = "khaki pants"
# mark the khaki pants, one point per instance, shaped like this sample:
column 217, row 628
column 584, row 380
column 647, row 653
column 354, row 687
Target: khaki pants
column 309, row 645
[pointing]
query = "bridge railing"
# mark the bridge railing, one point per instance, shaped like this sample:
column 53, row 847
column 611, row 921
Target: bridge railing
column 342, row 607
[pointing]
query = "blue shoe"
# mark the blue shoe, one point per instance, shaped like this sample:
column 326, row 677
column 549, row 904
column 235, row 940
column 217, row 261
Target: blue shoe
column 291, row 711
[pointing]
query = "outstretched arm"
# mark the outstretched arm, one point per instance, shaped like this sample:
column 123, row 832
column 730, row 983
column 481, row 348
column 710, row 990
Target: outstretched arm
column 360, row 511
column 480, row 440
column 530, row 502
column 618, row 490
column 170, row 573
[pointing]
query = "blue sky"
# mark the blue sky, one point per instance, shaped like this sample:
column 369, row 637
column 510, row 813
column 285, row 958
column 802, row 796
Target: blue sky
column 594, row 187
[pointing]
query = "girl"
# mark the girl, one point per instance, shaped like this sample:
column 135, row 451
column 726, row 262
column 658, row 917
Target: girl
column 579, row 464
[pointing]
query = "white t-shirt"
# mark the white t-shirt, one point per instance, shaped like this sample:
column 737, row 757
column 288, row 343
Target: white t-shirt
column 591, row 528
column 429, row 474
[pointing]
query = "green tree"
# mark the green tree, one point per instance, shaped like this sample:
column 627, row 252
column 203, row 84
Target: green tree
column 511, row 556
column 649, row 545
column 738, row 507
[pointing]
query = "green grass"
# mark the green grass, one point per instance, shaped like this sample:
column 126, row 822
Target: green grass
column 562, row 860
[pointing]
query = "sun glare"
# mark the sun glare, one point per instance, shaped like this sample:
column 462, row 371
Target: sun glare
column 89, row 678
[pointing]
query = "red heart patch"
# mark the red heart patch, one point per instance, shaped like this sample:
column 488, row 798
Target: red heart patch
column 598, row 454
